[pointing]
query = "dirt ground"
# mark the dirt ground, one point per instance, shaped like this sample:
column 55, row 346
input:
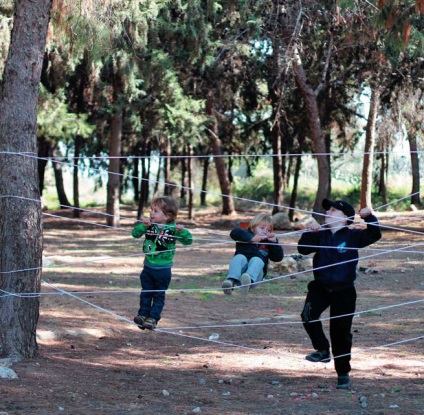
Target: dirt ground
column 94, row 360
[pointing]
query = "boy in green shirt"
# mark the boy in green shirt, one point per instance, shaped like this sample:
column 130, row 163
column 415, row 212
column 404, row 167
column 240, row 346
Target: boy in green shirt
column 161, row 233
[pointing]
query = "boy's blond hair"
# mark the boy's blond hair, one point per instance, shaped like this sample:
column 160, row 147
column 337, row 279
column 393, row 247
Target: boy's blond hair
column 168, row 205
column 260, row 218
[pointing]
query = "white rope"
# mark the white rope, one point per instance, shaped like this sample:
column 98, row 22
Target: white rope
column 227, row 344
column 283, row 323
column 63, row 292
column 257, row 283
column 188, row 188
column 200, row 156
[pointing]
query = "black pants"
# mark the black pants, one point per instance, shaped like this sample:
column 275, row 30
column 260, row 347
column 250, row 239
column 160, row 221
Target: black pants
column 341, row 302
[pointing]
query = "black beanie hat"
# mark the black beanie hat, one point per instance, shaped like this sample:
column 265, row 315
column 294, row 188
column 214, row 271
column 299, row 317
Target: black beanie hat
column 345, row 207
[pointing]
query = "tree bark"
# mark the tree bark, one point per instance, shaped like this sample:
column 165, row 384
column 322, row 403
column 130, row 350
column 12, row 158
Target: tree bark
column 293, row 196
column 78, row 93
column 415, row 166
column 225, row 185
column 157, row 181
column 382, row 188
column 136, row 180
column 113, row 184
column 204, row 181
column 183, row 190
column 144, row 187
column 190, row 183
column 314, row 122
column 60, row 187
column 20, row 207
column 367, row 166
column 275, row 97
column 167, row 168
column 298, row 165
column 77, row 211
column 44, row 152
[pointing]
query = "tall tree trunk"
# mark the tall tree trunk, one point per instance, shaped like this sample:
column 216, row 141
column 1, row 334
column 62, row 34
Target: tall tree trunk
column 44, row 152
column 20, row 207
column 277, row 160
column 141, row 201
column 157, row 181
column 382, row 188
column 221, row 170
column 60, row 186
column 314, row 122
column 78, row 88
column 144, row 187
column 167, row 168
column 190, row 183
column 204, row 181
column 415, row 166
column 277, row 169
column 367, row 166
column 114, row 180
column 77, row 152
column 293, row 196
column 298, row 165
column 183, row 170
column 327, row 140
column 136, row 180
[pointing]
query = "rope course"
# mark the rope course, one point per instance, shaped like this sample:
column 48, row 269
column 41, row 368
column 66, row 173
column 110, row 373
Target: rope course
column 208, row 244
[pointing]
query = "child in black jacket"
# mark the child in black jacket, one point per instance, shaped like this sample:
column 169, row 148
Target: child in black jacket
column 335, row 260
column 255, row 246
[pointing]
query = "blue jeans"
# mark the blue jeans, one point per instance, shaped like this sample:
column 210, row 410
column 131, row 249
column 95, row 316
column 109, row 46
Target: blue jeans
column 239, row 265
column 154, row 283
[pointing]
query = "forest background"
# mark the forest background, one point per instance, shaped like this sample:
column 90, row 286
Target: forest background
column 149, row 95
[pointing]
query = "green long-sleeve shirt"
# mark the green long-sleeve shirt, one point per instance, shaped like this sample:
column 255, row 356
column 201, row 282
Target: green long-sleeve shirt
column 159, row 243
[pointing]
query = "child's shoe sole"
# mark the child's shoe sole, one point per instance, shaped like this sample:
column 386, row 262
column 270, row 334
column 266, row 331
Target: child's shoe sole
column 343, row 382
column 227, row 287
column 150, row 323
column 245, row 282
column 139, row 320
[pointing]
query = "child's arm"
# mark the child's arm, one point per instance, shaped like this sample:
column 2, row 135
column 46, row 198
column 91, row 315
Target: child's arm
column 313, row 225
column 258, row 238
column 183, row 235
column 140, row 229
column 373, row 232
column 276, row 252
column 241, row 235
column 308, row 243
column 364, row 212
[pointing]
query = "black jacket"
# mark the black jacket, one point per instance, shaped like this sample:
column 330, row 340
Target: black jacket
column 332, row 248
column 266, row 250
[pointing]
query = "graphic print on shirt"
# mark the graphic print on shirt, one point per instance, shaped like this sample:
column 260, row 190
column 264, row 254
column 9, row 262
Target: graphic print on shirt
column 157, row 241
column 263, row 249
column 341, row 248
column 165, row 240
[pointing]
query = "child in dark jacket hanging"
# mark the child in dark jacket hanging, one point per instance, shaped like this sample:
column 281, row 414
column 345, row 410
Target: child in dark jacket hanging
column 161, row 234
column 255, row 247
column 335, row 261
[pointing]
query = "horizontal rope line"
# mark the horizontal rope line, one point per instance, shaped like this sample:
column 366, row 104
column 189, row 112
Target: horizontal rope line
column 216, row 341
column 257, row 283
column 200, row 156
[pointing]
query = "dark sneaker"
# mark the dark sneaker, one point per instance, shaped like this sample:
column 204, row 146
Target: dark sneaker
column 343, row 382
column 319, row 356
column 227, row 287
column 139, row 320
column 245, row 282
column 150, row 323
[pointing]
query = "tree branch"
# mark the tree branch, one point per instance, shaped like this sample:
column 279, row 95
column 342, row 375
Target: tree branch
column 325, row 70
